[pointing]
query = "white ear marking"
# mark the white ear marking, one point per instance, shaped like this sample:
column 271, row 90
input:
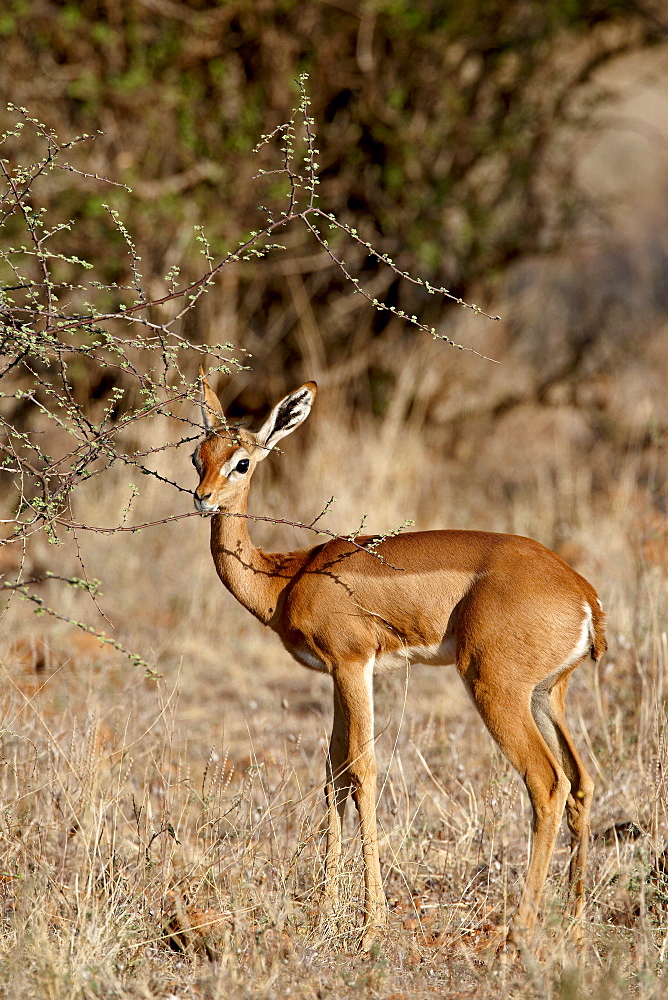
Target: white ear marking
column 287, row 415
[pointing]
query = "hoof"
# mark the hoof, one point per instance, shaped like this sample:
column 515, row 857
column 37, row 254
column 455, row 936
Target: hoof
column 576, row 932
column 372, row 936
column 328, row 903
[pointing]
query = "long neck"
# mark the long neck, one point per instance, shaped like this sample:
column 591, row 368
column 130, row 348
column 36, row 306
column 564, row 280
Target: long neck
column 255, row 578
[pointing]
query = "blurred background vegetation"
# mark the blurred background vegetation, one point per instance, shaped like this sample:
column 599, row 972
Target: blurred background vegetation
column 451, row 136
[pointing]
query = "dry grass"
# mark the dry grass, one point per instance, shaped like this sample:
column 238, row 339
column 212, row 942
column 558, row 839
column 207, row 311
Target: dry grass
column 163, row 838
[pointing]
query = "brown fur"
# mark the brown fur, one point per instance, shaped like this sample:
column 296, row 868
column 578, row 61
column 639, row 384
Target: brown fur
column 511, row 615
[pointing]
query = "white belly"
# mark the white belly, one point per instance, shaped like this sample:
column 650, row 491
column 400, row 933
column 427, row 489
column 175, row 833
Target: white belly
column 443, row 655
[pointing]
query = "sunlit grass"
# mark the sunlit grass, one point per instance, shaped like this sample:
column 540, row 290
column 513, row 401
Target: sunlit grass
column 164, row 837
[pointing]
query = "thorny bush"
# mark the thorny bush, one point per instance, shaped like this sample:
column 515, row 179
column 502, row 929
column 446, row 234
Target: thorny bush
column 59, row 323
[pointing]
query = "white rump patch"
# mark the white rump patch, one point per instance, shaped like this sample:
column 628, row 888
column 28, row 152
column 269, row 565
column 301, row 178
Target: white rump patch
column 580, row 650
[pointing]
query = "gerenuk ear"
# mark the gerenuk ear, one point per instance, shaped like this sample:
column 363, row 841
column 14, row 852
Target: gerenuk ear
column 212, row 411
column 285, row 417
